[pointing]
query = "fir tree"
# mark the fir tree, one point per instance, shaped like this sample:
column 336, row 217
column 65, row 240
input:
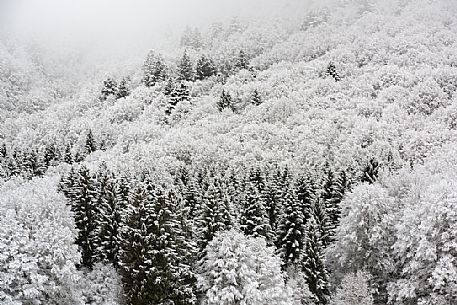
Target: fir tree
column 110, row 88
column 241, row 62
column 68, row 157
column 305, row 195
column 291, row 229
column 90, row 145
column 85, row 212
column 205, row 68
column 256, row 99
column 371, row 172
column 50, row 154
column 3, row 151
column 225, row 101
column 314, row 264
column 254, row 219
column 323, row 222
column 123, row 90
column 185, row 68
column 331, row 71
column 215, row 215
column 154, row 70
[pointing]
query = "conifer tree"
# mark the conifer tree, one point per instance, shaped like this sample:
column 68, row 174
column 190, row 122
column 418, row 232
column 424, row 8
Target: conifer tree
column 225, row 101
column 291, row 229
column 67, row 156
column 242, row 61
column 305, row 195
column 272, row 196
column 323, row 222
column 85, row 212
column 254, row 219
column 90, row 145
column 215, row 215
column 371, row 172
column 110, row 87
column 331, row 71
column 154, row 70
column 185, row 68
column 256, row 99
column 3, row 151
column 314, row 264
column 205, row 68
column 123, row 90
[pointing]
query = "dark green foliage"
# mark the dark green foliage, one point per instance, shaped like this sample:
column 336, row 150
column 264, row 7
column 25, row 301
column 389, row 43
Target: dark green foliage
column 50, row 154
column 306, row 193
column 205, row 68
column 177, row 92
column 154, row 70
column 225, row 101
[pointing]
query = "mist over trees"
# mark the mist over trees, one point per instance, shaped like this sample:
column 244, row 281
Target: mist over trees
column 301, row 157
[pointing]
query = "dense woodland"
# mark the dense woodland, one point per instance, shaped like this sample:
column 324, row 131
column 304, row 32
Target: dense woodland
column 290, row 161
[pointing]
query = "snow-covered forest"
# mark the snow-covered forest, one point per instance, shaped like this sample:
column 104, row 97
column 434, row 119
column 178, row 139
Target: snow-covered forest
column 306, row 157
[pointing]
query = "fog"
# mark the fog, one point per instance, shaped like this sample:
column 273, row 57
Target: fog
column 120, row 22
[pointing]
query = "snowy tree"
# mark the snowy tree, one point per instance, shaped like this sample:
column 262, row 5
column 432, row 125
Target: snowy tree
column 123, row 89
column 110, row 88
column 205, row 68
column 313, row 264
column 101, row 286
column 241, row 62
column 290, row 237
column 253, row 216
column 354, row 289
column 37, row 250
column 85, row 211
column 154, row 69
column 185, row 68
column 225, row 101
column 332, row 72
column 241, row 270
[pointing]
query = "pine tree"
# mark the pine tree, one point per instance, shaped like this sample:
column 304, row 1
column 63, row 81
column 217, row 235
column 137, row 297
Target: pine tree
column 50, row 154
column 225, row 101
column 331, row 71
column 371, row 172
column 123, row 90
column 185, row 68
column 291, row 229
column 68, row 157
column 110, row 212
column 154, row 70
column 272, row 196
column 323, row 222
column 241, row 62
column 110, row 88
column 305, row 195
column 90, row 145
column 205, row 68
column 85, row 212
column 254, row 219
column 314, row 264
column 215, row 215
column 256, row 99
column 3, row 151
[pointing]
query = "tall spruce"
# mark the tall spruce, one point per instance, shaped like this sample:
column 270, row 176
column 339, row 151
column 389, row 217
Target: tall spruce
column 85, row 211
column 314, row 264
column 154, row 69
column 291, row 229
column 205, row 68
column 185, row 68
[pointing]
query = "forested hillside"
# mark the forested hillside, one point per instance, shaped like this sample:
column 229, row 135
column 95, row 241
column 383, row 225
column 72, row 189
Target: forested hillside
column 303, row 159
